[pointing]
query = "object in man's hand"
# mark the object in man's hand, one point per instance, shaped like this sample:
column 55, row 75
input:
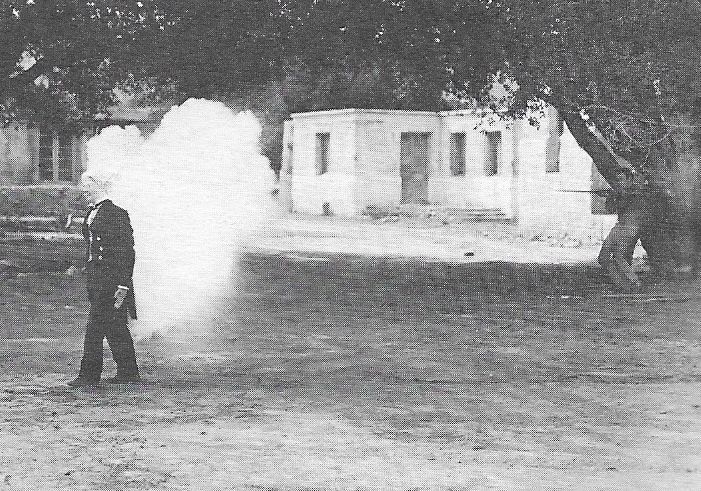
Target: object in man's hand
column 119, row 297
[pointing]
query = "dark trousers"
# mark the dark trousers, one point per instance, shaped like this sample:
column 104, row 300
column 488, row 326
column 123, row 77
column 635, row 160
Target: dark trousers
column 107, row 322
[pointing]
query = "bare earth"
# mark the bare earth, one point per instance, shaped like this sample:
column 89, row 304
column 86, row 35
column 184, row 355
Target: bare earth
column 325, row 369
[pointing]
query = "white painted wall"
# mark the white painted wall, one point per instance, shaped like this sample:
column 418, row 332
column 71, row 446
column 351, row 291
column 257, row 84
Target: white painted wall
column 16, row 164
column 336, row 187
column 364, row 159
column 378, row 181
column 286, row 167
column 364, row 168
column 475, row 189
column 379, row 150
column 545, row 200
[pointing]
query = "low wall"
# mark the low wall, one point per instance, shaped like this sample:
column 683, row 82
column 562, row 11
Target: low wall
column 41, row 201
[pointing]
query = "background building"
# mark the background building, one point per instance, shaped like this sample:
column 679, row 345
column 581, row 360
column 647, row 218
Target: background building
column 41, row 165
column 352, row 161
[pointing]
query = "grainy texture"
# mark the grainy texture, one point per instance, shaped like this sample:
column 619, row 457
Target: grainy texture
column 349, row 372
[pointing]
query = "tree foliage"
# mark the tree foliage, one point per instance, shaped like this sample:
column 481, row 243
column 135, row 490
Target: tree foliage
column 636, row 58
column 631, row 65
column 624, row 74
column 60, row 60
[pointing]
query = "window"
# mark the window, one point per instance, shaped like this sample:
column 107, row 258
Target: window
column 491, row 162
column 46, row 155
column 290, row 159
column 323, row 141
column 55, row 155
column 552, row 146
column 457, row 154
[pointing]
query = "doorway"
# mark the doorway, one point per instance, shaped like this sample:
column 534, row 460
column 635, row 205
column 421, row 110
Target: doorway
column 413, row 167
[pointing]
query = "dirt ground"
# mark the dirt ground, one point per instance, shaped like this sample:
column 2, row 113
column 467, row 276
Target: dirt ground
column 340, row 371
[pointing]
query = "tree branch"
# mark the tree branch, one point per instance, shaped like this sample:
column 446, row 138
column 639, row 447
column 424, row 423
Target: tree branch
column 607, row 161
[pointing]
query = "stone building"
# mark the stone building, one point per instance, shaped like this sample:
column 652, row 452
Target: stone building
column 40, row 165
column 31, row 154
column 34, row 154
column 350, row 161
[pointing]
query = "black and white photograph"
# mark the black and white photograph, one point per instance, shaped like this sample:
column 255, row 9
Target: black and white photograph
column 350, row 245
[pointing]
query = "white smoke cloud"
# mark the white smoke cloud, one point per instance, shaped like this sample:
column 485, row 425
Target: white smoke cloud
column 195, row 190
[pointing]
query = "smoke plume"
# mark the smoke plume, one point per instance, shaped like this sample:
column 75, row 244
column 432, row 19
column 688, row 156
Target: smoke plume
column 195, row 190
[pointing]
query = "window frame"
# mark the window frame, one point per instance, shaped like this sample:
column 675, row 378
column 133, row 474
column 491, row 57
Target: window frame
column 458, row 148
column 323, row 152
column 62, row 151
column 556, row 128
column 492, row 169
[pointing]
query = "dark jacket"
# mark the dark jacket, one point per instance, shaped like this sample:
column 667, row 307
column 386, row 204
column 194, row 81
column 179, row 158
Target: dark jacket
column 110, row 251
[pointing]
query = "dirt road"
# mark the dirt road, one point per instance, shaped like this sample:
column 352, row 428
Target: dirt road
column 328, row 371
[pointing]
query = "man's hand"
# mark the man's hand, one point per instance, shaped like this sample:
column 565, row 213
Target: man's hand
column 119, row 296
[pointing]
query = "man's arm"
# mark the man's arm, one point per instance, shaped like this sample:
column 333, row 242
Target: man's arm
column 124, row 249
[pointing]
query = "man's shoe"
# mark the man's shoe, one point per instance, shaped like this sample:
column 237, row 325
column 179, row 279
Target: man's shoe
column 83, row 382
column 121, row 379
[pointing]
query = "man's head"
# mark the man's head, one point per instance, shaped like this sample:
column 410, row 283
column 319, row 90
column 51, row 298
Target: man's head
column 97, row 185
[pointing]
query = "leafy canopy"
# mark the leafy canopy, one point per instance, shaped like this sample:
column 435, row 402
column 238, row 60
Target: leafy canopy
column 60, row 60
column 627, row 62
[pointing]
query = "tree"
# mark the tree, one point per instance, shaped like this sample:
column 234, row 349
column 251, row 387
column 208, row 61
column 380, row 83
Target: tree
column 624, row 75
column 334, row 54
column 60, row 60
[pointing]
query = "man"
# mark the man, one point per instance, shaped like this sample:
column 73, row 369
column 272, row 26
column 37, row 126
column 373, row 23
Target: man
column 640, row 217
column 110, row 265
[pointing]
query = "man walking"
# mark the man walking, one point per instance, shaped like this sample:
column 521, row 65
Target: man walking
column 110, row 264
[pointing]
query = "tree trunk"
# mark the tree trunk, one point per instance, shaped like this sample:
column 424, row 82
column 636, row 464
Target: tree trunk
column 659, row 200
column 642, row 216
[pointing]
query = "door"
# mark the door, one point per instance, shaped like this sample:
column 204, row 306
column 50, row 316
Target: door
column 413, row 167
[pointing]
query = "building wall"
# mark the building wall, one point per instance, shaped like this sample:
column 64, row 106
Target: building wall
column 310, row 191
column 286, row 167
column 475, row 189
column 364, row 169
column 19, row 155
column 378, row 152
column 377, row 164
column 15, row 158
column 555, row 203
column 22, row 189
